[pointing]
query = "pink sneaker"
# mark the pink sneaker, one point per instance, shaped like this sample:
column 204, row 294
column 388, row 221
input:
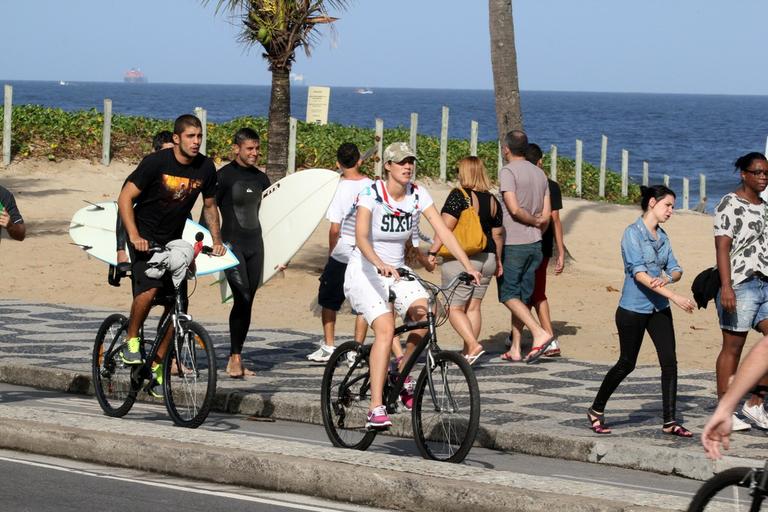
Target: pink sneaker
column 378, row 419
column 406, row 394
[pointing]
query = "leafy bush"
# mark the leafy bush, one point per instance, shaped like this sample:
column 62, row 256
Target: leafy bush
column 52, row 133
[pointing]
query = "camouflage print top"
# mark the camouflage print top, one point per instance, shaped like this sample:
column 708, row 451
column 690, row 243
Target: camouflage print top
column 745, row 224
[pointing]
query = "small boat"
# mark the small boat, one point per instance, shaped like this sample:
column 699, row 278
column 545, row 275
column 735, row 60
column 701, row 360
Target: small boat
column 62, row 82
column 363, row 91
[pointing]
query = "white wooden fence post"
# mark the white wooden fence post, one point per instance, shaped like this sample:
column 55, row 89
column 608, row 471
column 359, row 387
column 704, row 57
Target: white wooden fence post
column 292, row 127
column 444, row 146
column 766, row 146
column 645, row 173
column 666, row 180
column 553, row 163
column 579, row 161
column 379, row 147
column 686, row 194
column 414, row 132
column 624, row 173
column 501, row 161
column 603, row 161
column 702, row 188
column 473, row 131
column 204, row 122
column 106, row 132
column 7, row 118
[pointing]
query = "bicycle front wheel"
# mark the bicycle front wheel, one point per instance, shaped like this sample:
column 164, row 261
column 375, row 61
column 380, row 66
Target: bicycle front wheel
column 729, row 491
column 189, row 376
column 112, row 379
column 344, row 396
column 446, row 408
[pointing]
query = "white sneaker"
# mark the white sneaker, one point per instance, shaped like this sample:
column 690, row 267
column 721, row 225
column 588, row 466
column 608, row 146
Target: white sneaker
column 322, row 354
column 756, row 414
column 738, row 425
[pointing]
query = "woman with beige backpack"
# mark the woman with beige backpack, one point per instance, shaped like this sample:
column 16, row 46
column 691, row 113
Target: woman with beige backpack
column 474, row 215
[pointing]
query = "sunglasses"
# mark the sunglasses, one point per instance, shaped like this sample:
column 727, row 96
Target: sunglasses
column 758, row 172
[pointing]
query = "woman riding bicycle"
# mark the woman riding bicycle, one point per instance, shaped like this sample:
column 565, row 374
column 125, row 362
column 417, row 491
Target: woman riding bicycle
column 386, row 214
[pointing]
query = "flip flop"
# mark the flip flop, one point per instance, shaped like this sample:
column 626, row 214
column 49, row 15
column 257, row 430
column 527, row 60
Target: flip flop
column 473, row 359
column 537, row 352
column 506, row 357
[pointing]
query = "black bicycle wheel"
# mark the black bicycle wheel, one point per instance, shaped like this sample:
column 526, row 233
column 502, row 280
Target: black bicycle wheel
column 344, row 396
column 189, row 376
column 446, row 414
column 112, row 382
column 729, row 491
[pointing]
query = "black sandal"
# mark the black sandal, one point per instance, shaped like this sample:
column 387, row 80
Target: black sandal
column 597, row 422
column 676, row 430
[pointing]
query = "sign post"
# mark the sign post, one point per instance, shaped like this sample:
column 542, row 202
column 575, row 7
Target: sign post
column 318, row 99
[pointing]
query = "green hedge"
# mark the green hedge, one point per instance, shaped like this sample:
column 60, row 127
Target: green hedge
column 52, row 133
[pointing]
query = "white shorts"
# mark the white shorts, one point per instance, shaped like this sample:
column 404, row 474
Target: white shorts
column 368, row 292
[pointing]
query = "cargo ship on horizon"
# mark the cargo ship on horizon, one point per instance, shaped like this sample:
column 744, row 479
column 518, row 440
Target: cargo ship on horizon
column 134, row 76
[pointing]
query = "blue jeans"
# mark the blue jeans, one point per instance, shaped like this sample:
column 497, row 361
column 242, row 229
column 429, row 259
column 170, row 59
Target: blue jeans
column 520, row 263
column 751, row 306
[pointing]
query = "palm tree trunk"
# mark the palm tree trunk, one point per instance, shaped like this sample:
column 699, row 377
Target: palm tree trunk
column 279, row 117
column 504, row 62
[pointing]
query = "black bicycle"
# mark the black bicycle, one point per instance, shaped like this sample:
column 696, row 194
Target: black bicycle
column 734, row 489
column 446, row 407
column 189, row 365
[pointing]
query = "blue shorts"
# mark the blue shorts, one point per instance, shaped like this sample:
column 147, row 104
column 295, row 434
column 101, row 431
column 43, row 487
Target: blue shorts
column 520, row 263
column 751, row 306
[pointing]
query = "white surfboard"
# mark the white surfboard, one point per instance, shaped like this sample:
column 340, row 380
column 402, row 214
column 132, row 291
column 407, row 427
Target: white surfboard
column 93, row 229
column 290, row 211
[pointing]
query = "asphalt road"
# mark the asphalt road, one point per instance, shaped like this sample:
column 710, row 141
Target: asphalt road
column 94, row 489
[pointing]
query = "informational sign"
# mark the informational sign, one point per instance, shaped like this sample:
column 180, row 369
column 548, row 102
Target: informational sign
column 318, row 99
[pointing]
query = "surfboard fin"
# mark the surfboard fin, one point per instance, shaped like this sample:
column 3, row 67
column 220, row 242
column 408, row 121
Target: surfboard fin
column 82, row 246
column 98, row 208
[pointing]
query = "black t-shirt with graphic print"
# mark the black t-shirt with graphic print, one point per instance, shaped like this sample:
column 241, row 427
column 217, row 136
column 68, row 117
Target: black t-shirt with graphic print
column 169, row 190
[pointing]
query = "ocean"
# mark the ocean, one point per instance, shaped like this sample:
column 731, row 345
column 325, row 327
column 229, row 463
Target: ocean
column 677, row 134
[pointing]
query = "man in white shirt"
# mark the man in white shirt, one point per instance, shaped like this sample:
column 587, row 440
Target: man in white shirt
column 341, row 242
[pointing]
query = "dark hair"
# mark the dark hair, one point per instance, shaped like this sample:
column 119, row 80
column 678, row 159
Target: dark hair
column 743, row 162
column 517, row 142
column 348, row 155
column 533, row 153
column 244, row 134
column 185, row 121
column 657, row 192
column 163, row 137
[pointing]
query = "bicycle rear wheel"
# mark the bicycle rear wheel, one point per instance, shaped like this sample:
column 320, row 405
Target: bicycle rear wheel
column 344, row 396
column 189, row 376
column 112, row 379
column 729, row 491
column 446, row 412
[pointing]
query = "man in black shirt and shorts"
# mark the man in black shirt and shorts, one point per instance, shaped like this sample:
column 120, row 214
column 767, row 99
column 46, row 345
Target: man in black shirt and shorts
column 164, row 188
column 10, row 217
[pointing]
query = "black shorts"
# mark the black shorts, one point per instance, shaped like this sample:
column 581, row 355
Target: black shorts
column 140, row 282
column 331, row 292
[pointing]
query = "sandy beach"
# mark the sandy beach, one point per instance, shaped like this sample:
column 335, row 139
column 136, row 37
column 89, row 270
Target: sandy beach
column 47, row 268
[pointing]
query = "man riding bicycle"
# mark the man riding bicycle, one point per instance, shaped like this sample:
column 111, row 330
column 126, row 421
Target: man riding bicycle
column 164, row 188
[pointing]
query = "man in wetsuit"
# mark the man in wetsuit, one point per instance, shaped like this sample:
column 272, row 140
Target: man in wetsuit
column 161, row 211
column 238, row 194
column 10, row 217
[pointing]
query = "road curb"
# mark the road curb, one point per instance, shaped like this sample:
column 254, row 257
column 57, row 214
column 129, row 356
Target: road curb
column 384, row 488
column 614, row 452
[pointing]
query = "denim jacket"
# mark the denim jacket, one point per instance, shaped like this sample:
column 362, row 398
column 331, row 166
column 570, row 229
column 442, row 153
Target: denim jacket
column 642, row 253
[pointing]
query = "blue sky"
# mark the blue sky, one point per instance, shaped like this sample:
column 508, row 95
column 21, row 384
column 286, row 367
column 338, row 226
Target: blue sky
column 680, row 46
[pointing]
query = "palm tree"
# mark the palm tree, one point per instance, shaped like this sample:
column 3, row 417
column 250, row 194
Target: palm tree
column 504, row 63
column 280, row 27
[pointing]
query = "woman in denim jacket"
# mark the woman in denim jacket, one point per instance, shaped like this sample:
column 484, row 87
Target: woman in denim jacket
column 649, row 266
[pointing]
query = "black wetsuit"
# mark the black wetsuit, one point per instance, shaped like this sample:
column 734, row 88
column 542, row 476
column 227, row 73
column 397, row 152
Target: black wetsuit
column 238, row 196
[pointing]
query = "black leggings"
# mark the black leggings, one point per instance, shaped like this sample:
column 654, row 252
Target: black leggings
column 632, row 327
column 243, row 280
